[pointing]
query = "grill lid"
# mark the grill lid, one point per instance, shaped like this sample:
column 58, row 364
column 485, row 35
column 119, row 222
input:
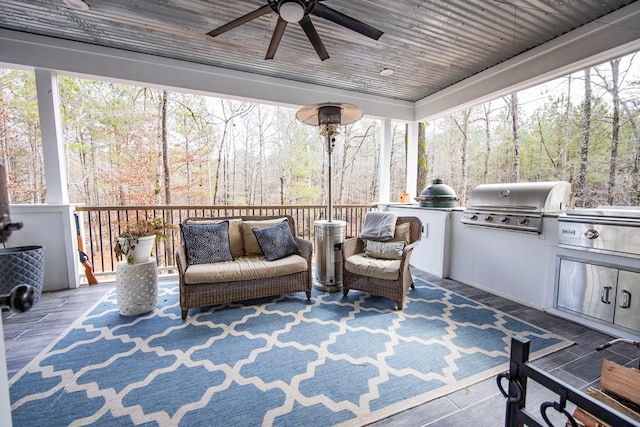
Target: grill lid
column 525, row 197
column 438, row 195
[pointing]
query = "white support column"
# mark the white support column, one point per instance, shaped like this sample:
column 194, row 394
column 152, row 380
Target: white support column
column 52, row 224
column 51, row 133
column 412, row 160
column 384, row 183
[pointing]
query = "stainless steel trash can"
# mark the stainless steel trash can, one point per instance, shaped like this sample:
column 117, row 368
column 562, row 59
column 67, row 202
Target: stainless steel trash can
column 330, row 236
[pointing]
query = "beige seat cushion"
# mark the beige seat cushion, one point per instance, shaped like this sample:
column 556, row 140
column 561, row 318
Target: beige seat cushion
column 386, row 269
column 235, row 233
column 251, row 246
column 244, row 268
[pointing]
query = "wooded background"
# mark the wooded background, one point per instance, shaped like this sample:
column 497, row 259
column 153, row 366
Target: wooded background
column 128, row 145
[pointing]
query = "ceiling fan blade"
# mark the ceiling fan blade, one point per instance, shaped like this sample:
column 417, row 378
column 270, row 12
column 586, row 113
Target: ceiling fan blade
column 346, row 21
column 242, row 20
column 275, row 38
column 313, row 37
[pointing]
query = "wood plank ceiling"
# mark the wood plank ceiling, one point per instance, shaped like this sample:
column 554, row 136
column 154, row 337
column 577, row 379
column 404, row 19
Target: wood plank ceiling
column 430, row 44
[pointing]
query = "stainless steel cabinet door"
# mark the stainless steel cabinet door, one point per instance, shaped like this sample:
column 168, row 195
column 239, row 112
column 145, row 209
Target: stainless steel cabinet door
column 588, row 289
column 628, row 300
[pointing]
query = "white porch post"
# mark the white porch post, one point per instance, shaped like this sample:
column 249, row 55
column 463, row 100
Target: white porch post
column 51, row 133
column 51, row 225
column 384, row 183
column 412, row 160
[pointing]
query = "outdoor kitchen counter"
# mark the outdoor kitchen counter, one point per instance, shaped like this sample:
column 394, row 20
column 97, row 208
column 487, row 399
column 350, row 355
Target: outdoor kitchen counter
column 517, row 266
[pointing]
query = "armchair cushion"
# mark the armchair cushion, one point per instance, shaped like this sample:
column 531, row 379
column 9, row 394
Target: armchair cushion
column 383, row 250
column 206, row 243
column 385, row 269
column 276, row 241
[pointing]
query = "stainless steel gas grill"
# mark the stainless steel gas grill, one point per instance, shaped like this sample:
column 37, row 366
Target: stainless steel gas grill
column 607, row 229
column 516, row 206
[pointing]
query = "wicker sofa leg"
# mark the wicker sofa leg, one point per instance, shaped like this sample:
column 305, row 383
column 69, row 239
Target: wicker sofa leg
column 345, row 290
column 308, row 295
column 399, row 302
column 184, row 314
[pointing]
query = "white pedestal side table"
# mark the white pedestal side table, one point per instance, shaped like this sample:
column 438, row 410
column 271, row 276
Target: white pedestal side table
column 137, row 287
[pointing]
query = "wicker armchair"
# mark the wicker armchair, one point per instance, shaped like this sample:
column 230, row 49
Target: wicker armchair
column 371, row 281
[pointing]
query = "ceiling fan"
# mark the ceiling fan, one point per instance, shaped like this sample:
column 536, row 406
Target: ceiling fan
column 298, row 11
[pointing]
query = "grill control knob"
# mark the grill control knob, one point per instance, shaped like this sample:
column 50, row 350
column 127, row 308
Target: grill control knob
column 523, row 221
column 504, row 219
column 591, row 234
column 473, row 217
column 488, row 218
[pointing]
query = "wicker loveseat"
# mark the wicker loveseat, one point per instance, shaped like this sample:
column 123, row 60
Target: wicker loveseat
column 249, row 274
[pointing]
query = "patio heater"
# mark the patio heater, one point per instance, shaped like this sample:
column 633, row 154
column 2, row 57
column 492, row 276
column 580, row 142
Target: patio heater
column 330, row 234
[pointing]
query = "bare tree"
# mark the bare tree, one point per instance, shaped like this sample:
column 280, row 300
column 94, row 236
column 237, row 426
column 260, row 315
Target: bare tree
column 423, row 172
column 230, row 110
column 463, row 127
column 166, row 171
column 565, row 133
column 584, row 146
column 615, row 127
column 486, row 109
column 513, row 111
column 353, row 145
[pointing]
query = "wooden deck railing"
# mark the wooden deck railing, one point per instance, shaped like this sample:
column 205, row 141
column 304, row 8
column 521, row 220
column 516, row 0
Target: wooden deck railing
column 101, row 225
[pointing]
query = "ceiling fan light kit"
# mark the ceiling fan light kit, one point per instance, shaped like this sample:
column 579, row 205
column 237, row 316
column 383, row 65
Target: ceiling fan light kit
column 298, row 11
column 76, row 4
column 291, row 11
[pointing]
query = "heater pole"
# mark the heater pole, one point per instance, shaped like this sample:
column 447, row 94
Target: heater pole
column 329, row 195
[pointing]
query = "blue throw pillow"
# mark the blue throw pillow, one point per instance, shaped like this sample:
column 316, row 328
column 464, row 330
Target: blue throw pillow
column 206, row 243
column 276, row 241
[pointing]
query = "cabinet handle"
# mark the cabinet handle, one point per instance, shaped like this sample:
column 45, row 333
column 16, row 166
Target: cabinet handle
column 604, row 294
column 626, row 299
column 591, row 234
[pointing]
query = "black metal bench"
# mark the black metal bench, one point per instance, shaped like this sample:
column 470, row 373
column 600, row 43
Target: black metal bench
column 520, row 371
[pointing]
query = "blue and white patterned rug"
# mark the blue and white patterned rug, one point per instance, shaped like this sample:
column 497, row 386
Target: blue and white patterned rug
column 273, row 362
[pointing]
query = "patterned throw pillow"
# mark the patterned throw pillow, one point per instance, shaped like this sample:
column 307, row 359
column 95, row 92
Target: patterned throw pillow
column 383, row 250
column 276, row 241
column 206, row 243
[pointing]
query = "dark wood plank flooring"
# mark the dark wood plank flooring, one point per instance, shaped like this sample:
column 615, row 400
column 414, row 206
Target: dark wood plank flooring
column 27, row 334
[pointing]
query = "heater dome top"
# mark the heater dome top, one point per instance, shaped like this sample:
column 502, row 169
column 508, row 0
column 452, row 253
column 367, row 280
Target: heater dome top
column 329, row 113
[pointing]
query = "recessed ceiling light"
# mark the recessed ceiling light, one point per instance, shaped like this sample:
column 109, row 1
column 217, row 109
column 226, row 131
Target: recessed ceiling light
column 385, row 72
column 76, row 4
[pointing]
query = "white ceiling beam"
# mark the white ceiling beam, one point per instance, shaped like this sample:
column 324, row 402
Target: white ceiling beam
column 104, row 63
